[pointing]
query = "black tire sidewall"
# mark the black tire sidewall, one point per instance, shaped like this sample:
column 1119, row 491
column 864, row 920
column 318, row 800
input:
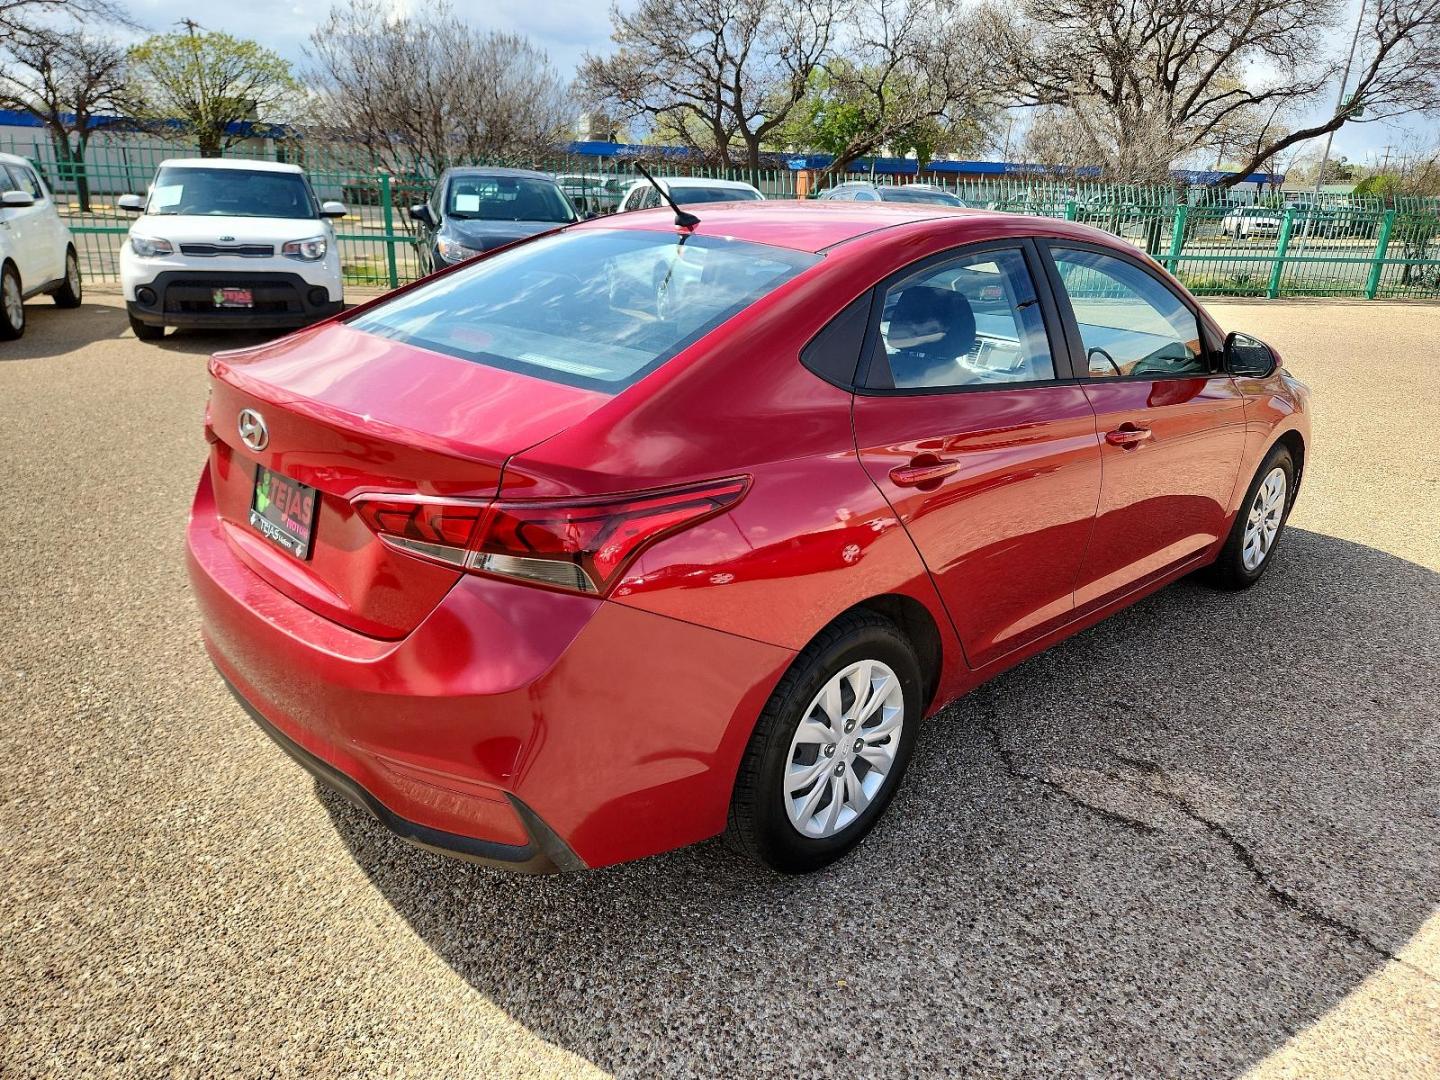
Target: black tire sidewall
column 1232, row 561
column 8, row 330
column 780, row 844
column 64, row 295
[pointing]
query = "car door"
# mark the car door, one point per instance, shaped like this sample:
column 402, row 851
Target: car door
column 970, row 422
column 26, row 229
column 1172, row 423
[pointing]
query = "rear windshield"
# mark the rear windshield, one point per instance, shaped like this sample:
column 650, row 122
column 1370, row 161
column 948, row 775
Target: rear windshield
column 593, row 308
column 200, row 191
column 506, row 198
column 683, row 193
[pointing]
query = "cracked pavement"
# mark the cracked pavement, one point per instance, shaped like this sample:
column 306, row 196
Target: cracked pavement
column 1199, row 840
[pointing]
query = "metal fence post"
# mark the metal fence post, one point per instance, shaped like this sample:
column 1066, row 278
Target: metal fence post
column 387, row 215
column 1070, row 210
column 1287, row 223
column 1177, row 237
column 1382, row 248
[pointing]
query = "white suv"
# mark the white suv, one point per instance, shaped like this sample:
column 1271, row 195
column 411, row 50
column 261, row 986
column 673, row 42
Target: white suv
column 229, row 244
column 37, row 254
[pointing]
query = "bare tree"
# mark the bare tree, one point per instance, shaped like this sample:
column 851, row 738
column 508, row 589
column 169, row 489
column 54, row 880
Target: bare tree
column 423, row 91
column 19, row 18
column 65, row 79
column 906, row 77
column 712, row 72
column 1152, row 77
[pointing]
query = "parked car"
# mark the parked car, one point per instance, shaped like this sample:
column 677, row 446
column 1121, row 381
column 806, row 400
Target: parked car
column 229, row 244
column 475, row 209
column 37, row 253
column 687, row 190
column 865, row 191
column 1248, row 221
column 571, row 565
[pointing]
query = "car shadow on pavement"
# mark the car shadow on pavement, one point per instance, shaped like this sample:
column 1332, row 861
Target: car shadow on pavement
column 1161, row 848
column 53, row 332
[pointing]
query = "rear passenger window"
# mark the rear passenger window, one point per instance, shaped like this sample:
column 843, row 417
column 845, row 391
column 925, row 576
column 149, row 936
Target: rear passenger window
column 974, row 321
column 1131, row 324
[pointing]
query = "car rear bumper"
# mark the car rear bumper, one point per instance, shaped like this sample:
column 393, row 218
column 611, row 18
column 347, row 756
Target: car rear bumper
column 543, row 853
column 525, row 728
column 184, row 298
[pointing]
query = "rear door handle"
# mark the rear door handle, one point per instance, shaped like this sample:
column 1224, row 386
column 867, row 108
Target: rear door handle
column 914, row 475
column 1128, row 436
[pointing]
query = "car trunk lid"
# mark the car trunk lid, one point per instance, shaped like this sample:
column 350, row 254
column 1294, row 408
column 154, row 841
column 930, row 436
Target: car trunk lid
column 348, row 413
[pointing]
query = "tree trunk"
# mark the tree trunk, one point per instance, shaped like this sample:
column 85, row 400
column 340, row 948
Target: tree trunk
column 209, row 139
column 82, row 178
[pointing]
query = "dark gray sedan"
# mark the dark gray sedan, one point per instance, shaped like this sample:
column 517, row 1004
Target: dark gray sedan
column 473, row 210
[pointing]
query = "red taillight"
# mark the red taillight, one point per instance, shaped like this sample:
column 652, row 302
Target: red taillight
column 437, row 528
column 582, row 544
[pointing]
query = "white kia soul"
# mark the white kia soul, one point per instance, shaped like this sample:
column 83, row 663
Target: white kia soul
column 37, row 254
column 229, row 244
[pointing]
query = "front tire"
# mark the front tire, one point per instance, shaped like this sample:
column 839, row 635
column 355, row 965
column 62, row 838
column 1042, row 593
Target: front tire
column 1258, row 524
column 12, row 305
column 68, row 294
column 830, row 747
column 144, row 331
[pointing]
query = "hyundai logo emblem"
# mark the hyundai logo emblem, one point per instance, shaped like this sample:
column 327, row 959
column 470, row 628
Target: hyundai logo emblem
column 253, row 432
column 226, row 239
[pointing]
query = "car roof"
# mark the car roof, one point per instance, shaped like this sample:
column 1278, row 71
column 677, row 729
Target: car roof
column 242, row 164
column 814, row 225
column 496, row 170
column 13, row 159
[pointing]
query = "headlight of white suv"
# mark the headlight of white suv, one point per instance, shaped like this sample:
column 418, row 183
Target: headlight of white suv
column 309, row 250
column 150, row 247
column 453, row 252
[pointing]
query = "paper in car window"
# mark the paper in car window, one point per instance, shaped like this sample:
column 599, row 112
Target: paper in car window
column 166, row 195
column 465, row 204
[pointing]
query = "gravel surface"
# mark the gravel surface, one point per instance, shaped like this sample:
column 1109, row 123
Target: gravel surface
column 1198, row 840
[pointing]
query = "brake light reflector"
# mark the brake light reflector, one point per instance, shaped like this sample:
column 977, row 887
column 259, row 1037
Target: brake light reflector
column 582, row 544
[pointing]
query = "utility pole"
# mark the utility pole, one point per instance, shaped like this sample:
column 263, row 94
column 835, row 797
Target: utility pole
column 1330, row 136
column 198, row 70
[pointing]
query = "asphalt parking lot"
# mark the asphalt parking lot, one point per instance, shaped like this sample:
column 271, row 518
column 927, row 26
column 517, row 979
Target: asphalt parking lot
column 1199, row 840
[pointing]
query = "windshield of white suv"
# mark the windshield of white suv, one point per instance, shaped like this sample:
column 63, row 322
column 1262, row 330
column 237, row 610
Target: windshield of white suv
column 506, row 198
column 591, row 308
column 196, row 191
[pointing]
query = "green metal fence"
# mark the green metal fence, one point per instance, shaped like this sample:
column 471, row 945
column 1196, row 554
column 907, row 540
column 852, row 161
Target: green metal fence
column 1283, row 244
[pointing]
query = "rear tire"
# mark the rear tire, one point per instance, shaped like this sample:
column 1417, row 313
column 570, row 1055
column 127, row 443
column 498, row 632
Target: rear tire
column 68, row 294
column 870, row 748
column 144, row 331
column 1258, row 524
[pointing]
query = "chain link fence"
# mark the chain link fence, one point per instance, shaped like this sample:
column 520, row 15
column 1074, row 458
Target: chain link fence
column 1276, row 245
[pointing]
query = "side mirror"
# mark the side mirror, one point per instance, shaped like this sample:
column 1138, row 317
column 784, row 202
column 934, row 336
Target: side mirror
column 1248, row 357
column 421, row 212
column 331, row 208
column 17, row 199
column 131, row 204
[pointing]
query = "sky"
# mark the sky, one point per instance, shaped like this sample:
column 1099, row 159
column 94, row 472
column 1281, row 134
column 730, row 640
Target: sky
column 566, row 29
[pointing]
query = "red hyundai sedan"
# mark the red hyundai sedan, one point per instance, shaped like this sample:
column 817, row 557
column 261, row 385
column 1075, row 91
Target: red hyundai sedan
column 638, row 533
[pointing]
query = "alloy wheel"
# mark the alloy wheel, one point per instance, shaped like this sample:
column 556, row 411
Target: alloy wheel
column 844, row 749
column 72, row 274
column 1262, row 526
